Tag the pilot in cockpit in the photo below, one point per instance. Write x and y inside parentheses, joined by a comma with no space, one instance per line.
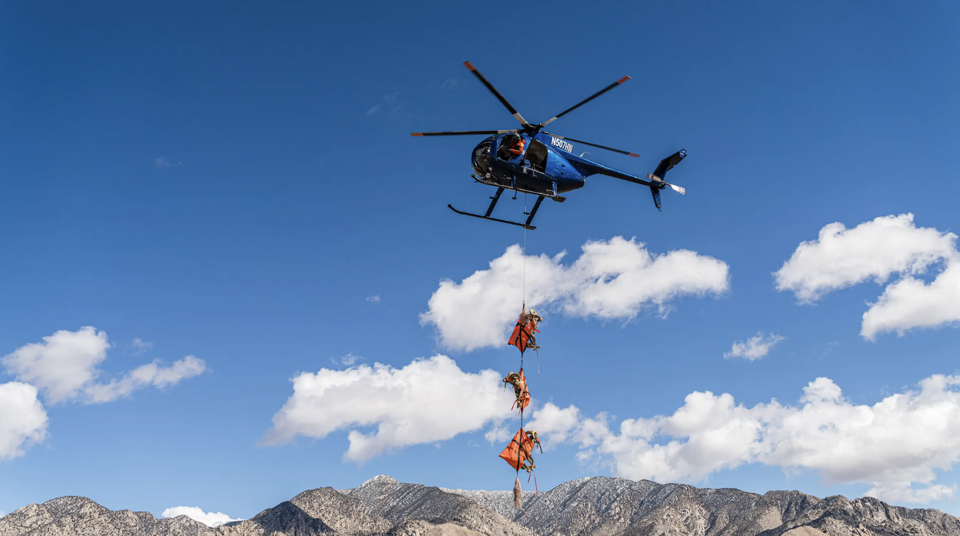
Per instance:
(512,147)
(517,148)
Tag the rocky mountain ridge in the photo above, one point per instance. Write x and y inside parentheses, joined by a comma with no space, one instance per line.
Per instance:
(595,506)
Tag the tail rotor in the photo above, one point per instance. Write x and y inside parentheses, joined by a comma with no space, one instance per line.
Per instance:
(657,176)
(679,189)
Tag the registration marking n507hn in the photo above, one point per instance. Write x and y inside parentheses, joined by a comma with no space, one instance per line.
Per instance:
(563,145)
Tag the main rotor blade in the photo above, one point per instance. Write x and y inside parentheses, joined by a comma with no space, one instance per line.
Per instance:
(461,132)
(586,100)
(635,155)
(496,93)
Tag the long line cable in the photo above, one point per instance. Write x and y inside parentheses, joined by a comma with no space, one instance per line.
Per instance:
(524,258)
(524,298)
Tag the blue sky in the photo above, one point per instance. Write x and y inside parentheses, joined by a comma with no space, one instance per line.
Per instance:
(233,181)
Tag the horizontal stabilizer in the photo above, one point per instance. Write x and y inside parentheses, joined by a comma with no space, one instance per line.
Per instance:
(669,162)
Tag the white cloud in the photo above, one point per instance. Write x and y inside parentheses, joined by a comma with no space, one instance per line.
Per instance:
(427,401)
(902,492)
(144,376)
(163,162)
(374,299)
(64,367)
(893,445)
(62,364)
(615,279)
(910,303)
(210,519)
(139,346)
(499,433)
(451,83)
(875,250)
(348,360)
(754,348)
(390,102)
(23,421)
(556,423)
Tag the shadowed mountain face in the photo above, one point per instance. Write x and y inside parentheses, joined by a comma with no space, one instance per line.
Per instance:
(586,507)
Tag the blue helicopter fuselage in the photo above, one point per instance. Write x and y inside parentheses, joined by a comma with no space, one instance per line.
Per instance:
(547,165)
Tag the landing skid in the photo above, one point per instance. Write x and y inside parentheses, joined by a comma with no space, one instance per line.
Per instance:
(493,203)
(530,227)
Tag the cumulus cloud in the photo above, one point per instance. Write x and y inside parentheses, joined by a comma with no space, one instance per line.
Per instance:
(754,348)
(613,279)
(911,303)
(902,492)
(499,433)
(428,400)
(895,445)
(64,366)
(876,250)
(560,425)
(373,299)
(23,421)
(210,519)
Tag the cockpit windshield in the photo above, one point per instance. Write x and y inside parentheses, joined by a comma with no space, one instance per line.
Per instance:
(481,154)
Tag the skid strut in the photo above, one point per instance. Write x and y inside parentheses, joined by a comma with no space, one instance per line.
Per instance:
(536,206)
(496,197)
(493,203)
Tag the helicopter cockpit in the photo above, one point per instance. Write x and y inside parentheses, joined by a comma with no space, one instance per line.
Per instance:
(534,155)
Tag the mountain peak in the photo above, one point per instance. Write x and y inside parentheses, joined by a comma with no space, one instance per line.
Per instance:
(380,479)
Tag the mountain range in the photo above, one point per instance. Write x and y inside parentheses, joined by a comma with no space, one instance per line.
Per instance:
(595,506)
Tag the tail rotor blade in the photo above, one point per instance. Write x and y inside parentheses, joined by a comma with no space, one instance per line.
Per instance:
(679,189)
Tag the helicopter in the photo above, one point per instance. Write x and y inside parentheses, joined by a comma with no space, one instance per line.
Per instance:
(533,161)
